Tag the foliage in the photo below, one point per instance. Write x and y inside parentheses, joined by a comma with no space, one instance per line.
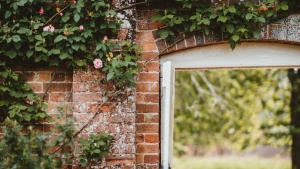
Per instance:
(96,147)
(235,21)
(64,33)
(246,107)
(23,148)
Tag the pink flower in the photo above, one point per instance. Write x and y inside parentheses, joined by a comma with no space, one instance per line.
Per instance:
(41,11)
(105,38)
(49,28)
(98,63)
(74,2)
(81,27)
(61,14)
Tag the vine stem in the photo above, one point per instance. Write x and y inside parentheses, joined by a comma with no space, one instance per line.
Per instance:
(86,124)
(58,13)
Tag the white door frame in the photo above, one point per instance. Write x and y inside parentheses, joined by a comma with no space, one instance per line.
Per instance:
(245,56)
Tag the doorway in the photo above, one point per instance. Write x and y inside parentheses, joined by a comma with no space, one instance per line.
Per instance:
(247,55)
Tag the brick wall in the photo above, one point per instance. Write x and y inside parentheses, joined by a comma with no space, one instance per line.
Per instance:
(133,119)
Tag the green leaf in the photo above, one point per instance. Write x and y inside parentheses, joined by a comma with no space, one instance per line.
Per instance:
(7,14)
(76,17)
(256,34)
(27,117)
(261,19)
(110,75)
(231,9)
(230,28)
(38,37)
(55,51)
(284,7)
(59,38)
(206,21)
(63,56)
(16,38)
(249,16)
(235,38)
(222,19)
(11,54)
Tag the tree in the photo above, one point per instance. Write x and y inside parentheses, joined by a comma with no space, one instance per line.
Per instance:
(294,77)
(244,106)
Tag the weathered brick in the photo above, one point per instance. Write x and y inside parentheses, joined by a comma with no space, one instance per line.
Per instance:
(148,77)
(44,76)
(153,159)
(151,98)
(147,128)
(147,87)
(87,97)
(151,118)
(60,97)
(152,138)
(58,87)
(139,138)
(148,46)
(145,36)
(147,108)
(58,76)
(147,148)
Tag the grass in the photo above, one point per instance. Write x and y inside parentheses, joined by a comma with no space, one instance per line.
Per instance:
(231,162)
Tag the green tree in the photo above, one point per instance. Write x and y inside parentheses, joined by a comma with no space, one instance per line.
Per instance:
(245,107)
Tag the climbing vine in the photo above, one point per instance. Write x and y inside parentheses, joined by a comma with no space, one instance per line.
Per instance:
(64,33)
(235,22)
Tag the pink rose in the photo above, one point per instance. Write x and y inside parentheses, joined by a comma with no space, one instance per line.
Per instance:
(105,38)
(41,11)
(81,27)
(98,63)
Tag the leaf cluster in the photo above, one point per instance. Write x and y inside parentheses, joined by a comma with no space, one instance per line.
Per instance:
(235,22)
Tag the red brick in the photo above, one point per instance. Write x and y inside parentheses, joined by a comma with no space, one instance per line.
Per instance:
(59,97)
(148,46)
(148,77)
(128,167)
(30,76)
(139,118)
(147,128)
(151,98)
(147,108)
(145,36)
(147,87)
(152,159)
(37,87)
(58,87)
(147,148)
(139,158)
(151,118)
(79,87)
(87,97)
(146,56)
(44,76)
(139,138)
(58,76)
(152,138)
(149,66)
(124,159)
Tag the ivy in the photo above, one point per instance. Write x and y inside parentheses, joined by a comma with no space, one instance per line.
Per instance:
(235,22)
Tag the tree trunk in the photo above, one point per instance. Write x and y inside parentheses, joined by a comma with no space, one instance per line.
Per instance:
(294,77)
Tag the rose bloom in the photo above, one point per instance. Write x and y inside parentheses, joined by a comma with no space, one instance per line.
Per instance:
(105,38)
(98,63)
(81,27)
(41,11)
(49,28)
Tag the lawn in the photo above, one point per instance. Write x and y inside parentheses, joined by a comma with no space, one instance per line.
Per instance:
(231,162)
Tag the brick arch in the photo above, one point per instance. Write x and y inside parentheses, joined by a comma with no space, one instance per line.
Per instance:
(286,30)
